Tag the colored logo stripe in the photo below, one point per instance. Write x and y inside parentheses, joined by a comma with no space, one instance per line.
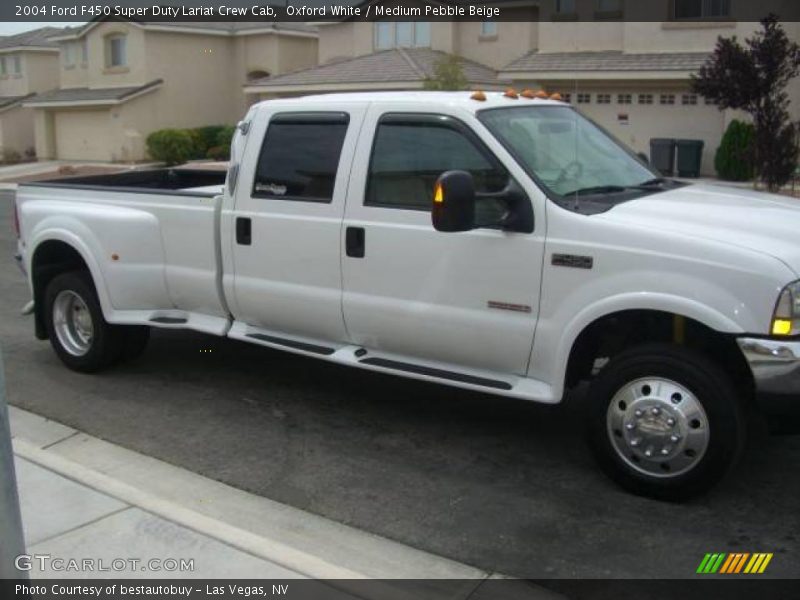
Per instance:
(734,562)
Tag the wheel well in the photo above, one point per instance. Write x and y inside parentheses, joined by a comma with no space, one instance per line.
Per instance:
(50,259)
(609,335)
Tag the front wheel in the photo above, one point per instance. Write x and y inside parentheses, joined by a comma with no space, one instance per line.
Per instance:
(666,422)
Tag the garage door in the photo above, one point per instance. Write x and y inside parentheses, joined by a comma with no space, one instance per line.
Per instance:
(82,135)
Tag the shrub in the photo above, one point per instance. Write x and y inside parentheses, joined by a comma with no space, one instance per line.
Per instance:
(11,157)
(225,135)
(219,153)
(171,146)
(199,144)
(735,160)
(209,134)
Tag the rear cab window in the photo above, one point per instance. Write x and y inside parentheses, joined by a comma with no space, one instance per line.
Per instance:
(299,157)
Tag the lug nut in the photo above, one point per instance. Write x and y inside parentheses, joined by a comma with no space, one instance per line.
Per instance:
(671,422)
(674,438)
(636,441)
(655,411)
(665,450)
(630,426)
(648,452)
(639,412)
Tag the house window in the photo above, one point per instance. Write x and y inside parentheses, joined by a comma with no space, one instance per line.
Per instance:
(384,35)
(710,102)
(567,97)
(625,99)
(667,99)
(488,28)
(645,98)
(17,62)
(584,98)
(116,51)
(84,51)
(402,35)
(604,98)
(697,9)
(689,99)
(405,34)
(3,67)
(565,7)
(300,157)
(69,54)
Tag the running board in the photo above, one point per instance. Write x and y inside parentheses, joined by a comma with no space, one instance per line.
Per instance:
(169,320)
(296,345)
(438,373)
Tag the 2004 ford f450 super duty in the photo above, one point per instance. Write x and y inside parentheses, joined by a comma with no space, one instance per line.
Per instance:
(489,241)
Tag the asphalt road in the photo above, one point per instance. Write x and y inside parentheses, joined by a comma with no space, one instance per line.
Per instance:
(500,484)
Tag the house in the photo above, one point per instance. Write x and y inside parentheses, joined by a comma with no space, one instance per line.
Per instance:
(632,77)
(120,80)
(28,64)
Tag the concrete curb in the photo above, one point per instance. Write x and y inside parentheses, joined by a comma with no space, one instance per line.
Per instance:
(246,541)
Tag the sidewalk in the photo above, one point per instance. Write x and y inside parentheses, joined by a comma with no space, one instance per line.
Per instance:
(84,498)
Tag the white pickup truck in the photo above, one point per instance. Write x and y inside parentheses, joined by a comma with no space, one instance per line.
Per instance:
(487,241)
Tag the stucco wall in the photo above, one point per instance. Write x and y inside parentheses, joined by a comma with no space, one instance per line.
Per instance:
(134,73)
(513,39)
(16,130)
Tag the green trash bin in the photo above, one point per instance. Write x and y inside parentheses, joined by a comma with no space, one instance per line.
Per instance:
(690,157)
(662,155)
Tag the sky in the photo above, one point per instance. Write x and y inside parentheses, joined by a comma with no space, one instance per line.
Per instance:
(7,28)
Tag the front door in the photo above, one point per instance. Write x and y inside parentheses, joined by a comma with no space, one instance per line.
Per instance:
(463,299)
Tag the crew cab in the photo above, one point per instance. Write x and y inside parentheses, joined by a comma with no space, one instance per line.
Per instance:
(493,242)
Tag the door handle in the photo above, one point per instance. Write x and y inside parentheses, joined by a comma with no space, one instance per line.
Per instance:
(244,231)
(354,242)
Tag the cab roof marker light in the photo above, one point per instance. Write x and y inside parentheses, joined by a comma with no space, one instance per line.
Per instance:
(558,97)
(529,94)
(511,93)
(479,96)
(541,94)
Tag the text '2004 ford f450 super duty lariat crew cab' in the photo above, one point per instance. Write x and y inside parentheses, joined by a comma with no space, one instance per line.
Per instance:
(491,242)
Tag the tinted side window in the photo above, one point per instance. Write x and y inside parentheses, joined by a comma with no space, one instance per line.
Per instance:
(408,157)
(300,157)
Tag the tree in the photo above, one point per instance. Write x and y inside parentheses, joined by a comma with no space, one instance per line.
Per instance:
(447,75)
(734,158)
(753,78)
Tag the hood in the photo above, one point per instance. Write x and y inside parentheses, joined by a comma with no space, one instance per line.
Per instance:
(765,223)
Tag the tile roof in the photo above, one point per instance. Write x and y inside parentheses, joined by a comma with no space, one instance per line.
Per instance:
(36,38)
(232,28)
(608,61)
(90,94)
(8,101)
(397,65)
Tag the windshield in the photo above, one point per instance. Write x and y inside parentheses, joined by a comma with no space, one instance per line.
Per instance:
(564,151)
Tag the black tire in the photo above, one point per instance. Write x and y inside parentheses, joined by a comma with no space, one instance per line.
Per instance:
(107,341)
(708,385)
(136,338)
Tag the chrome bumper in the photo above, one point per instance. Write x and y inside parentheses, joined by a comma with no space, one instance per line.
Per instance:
(775,365)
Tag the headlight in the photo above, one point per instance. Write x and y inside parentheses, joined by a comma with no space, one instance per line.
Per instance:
(786,320)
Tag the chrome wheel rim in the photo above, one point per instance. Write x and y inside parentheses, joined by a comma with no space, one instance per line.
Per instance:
(72,322)
(658,427)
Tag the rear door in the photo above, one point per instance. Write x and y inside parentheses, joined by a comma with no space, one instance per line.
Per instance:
(287,220)
(467,299)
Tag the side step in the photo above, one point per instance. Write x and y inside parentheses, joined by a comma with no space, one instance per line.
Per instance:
(304,346)
(169,320)
(440,373)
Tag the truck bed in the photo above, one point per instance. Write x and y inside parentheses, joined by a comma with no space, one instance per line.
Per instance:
(171,181)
